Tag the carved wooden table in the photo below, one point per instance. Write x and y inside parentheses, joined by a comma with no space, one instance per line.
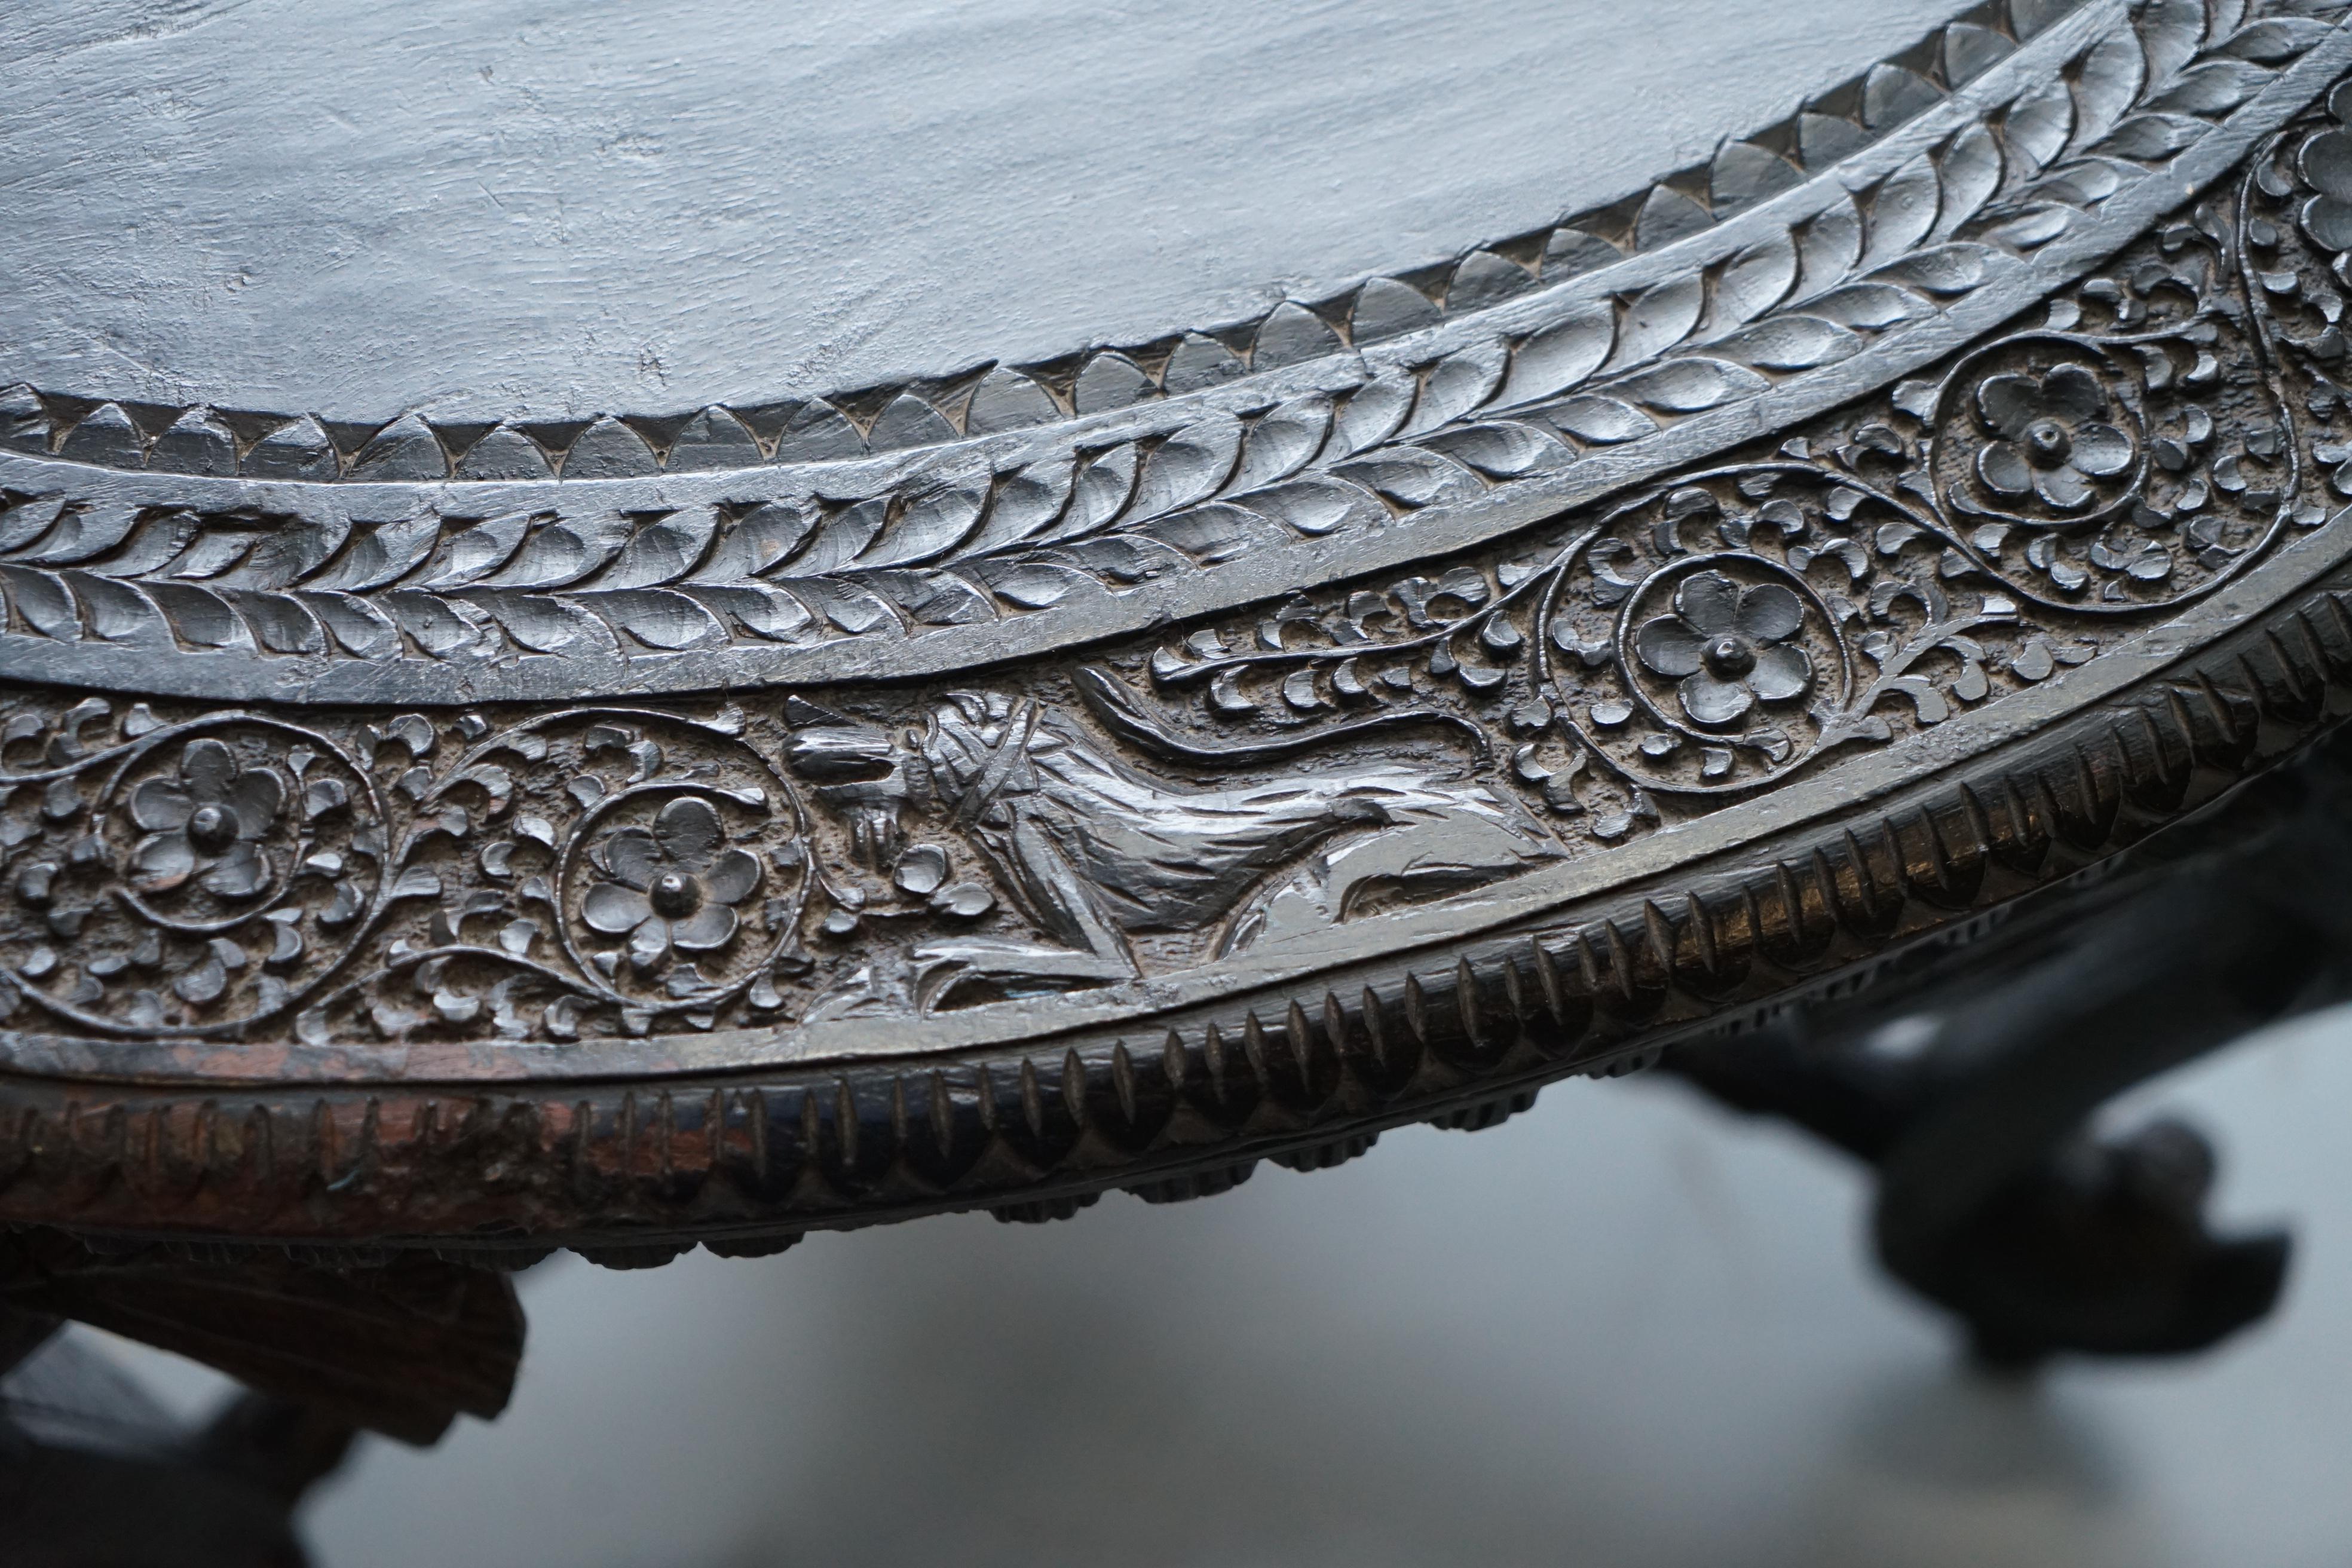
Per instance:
(1875,561)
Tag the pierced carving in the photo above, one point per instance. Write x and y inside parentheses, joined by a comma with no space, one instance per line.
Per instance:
(594,870)
(199,875)
(1972,532)
(212,875)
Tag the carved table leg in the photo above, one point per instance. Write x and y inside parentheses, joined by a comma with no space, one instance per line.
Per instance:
(22,1333)
(401,1347)
(92,1471)
(282,1446)
(1996,1199)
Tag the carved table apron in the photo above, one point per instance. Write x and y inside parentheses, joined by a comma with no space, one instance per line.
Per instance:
(1112,771)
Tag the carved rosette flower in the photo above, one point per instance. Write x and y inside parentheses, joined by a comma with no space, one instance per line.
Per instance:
(1729,648)
(676,886)
(2054,441)
(205,825)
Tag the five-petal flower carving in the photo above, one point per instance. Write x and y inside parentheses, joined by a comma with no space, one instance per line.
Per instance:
(205,824)
(1729,647)
(2054,441)
(674,887)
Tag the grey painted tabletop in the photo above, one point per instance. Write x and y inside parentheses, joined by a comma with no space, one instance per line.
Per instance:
(527,208)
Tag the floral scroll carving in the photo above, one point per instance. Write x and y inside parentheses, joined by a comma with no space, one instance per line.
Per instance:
(234,857)
(1972,532)
(198,878)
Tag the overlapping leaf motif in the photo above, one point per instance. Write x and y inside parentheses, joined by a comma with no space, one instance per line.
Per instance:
(1494,385)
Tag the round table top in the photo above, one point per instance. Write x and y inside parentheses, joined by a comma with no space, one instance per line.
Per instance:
(642,626)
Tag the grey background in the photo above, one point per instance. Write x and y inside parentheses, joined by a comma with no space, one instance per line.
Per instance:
(487,209)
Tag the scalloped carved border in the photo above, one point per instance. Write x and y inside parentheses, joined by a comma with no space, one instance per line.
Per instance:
(1008,545)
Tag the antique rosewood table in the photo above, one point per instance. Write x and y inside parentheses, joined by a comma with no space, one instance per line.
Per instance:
(1851,617)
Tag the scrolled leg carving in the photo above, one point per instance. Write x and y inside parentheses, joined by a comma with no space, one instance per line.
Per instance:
(1996,1200)
(401,1345)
